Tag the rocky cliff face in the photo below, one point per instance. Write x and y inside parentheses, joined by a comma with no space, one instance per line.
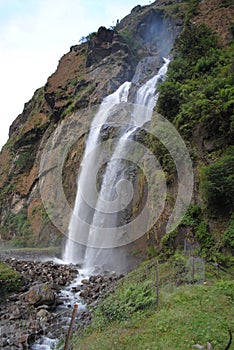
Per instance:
(84,76)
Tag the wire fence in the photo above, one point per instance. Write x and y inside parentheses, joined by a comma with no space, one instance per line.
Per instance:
(45,333)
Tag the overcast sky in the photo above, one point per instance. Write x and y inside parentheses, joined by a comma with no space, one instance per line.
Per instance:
(34,34)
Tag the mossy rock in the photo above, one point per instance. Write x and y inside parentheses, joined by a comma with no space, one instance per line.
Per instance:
(10,280)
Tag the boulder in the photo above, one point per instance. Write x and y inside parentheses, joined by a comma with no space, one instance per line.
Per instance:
(40,294)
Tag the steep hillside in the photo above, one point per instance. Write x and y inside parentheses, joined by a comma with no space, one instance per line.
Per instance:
(197,98)
(182,315)
(85,75)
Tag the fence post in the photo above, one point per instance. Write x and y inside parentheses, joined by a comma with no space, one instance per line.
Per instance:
(193,270)
(74,312)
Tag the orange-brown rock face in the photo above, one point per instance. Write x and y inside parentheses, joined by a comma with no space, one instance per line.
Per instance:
(84,76)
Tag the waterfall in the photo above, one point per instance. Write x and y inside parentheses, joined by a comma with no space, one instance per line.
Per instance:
(112,197)
(80,209)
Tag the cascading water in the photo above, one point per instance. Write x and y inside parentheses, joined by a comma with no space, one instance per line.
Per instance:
(80,209)
(97,251)
(146,97)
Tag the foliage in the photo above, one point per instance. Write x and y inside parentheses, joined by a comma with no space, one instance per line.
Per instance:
(195,42)
(217,184)
(10,280)
(198,226)
(168,242)
(226,288)
(193,216)
(132,43)
(161,152)
(24,162)
(40,210)
(205,238)
(6,190)
(88,38)
(228,237)
(187,315)
(192,9)
(199,90)
(198,98)
(18,227)
(130,300)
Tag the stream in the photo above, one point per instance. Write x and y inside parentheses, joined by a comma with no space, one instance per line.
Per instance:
(69,297)
(25,324)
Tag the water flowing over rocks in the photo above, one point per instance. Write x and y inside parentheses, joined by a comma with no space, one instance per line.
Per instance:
(43,306)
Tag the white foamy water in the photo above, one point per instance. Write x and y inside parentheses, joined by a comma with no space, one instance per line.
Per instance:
(146,97)
(90,155)
(105,204)
(45,343)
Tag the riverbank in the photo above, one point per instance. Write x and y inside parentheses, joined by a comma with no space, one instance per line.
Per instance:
(30,253)
(43,305)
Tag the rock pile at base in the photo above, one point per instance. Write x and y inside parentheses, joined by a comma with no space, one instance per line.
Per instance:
(38,308)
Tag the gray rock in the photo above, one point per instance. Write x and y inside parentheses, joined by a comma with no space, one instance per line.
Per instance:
(40,294)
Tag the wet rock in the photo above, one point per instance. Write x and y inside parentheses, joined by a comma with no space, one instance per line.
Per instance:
(97,286)
(43,314)
(40,294)
(85,281)
(84,294)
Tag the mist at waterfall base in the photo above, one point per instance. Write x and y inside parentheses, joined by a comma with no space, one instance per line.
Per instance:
(96,237)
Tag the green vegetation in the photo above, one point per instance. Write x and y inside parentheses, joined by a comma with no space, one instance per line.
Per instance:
(228,237)
(132,43)
(187,313)
(80,99)
(198,98)
(195,228)
(6,190)
(10,279)
(24,162)
(217,184)
(199,90)
(40,210)
(161,152)
(88,38)
(18,227)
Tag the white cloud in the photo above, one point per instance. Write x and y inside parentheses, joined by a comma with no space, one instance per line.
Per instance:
(33,38)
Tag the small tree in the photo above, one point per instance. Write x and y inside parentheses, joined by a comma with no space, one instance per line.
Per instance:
(217,185)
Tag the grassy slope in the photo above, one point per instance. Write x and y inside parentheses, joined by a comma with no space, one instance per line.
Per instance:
(187,314)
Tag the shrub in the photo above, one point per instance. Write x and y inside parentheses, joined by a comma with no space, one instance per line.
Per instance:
(18,227)
(205,238)
(217,185)
(130,299)
(193,216)
(10,279)
(228,237)
(195,42)
(198,92)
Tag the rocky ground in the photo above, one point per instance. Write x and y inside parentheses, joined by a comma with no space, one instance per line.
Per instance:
(43,306)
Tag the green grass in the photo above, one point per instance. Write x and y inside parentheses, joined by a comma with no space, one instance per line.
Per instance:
(10,280)
(187,314)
